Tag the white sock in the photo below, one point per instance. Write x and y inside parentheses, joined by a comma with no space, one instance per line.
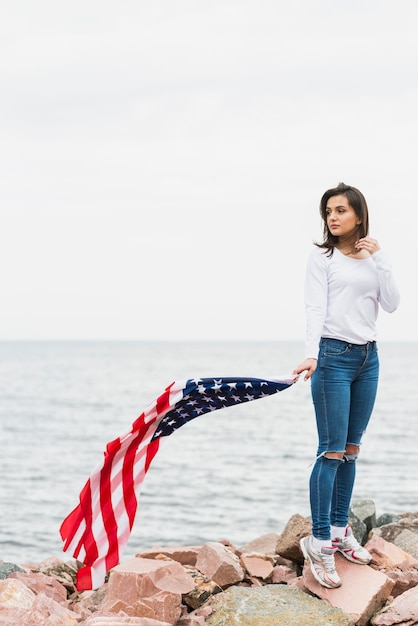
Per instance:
(338,532)
(318,544)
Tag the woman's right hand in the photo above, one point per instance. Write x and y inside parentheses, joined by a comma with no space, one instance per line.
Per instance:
(308,366)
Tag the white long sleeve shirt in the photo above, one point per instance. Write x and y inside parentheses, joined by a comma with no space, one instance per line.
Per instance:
(342,297)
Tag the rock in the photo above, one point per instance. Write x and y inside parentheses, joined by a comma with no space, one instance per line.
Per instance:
(8,568)
(283,574)
(272,605)
(46,611)
(220,564)
(147,588)
(365,511)
(400,566)
(387,555)
(197,618)
(186,555)
(87,602)
(19,605)
(403,610)
(288,543)
(64,572)
(358,527)
(403,533)
(40,583)
(204,588)
(387,518)
(14,593)
(122,620)
(258,565)
(363,591)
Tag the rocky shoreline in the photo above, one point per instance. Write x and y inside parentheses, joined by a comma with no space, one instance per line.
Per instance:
(261,584)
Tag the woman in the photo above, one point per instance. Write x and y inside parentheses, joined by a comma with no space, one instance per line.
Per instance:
(347,277)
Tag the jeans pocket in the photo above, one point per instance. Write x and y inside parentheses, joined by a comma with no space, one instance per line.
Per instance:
(334,348)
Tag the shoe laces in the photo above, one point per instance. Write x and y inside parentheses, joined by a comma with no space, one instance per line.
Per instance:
(327,558)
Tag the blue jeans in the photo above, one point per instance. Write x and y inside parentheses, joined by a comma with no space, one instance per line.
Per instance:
(343,387)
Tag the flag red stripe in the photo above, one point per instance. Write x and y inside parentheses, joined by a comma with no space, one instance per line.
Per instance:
(89,541)
(129,496)
(108,515)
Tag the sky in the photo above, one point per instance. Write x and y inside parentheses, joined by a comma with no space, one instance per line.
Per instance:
(162,161)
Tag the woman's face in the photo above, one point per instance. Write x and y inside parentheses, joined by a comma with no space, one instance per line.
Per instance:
(342,220)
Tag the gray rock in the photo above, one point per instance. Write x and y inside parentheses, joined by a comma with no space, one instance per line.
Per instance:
(272,605)
(8,568)
(358,527)
(387,518)
(365,510)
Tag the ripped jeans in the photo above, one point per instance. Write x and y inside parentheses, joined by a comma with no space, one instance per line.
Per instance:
(343,388)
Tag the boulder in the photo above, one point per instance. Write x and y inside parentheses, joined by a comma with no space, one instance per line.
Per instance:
(147,588)
(363,591)
(398,565)
(121,620)
(258,565)
(283,574)
(41,583)
(204,588)
(220,564)
(403,533)
(387,555)
(8,568)
(272,605)
(288,543)
(365,511)
(387,518)
(14,593)
(186,555)
(403,610)
(20,605)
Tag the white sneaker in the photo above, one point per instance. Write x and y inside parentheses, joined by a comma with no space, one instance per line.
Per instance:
(322,563)
(351,549)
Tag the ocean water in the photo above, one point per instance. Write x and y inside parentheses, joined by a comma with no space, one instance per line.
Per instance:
(234,474)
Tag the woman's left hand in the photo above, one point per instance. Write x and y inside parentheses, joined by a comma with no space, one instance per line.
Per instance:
(367,243)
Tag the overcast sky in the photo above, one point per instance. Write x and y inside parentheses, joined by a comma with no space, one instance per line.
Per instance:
(162,161)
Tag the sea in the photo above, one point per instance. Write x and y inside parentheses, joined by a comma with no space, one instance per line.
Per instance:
(234,474)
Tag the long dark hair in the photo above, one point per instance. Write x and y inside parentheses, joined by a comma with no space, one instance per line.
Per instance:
(356,200)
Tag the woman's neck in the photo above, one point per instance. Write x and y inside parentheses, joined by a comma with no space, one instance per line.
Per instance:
(346,245)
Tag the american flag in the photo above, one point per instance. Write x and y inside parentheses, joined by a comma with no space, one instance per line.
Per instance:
(98,529)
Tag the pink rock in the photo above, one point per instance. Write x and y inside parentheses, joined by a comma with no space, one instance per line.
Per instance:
(39,582)
(121,620)
(14,593)
(87,602)
(148,588)
(403,610)
(402,580)
(19,603)
(387,555)
(283,574)
(363,591)
(257,565)
(186,555)
(45,611)
(197,618)
(220,564)
(13,616)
